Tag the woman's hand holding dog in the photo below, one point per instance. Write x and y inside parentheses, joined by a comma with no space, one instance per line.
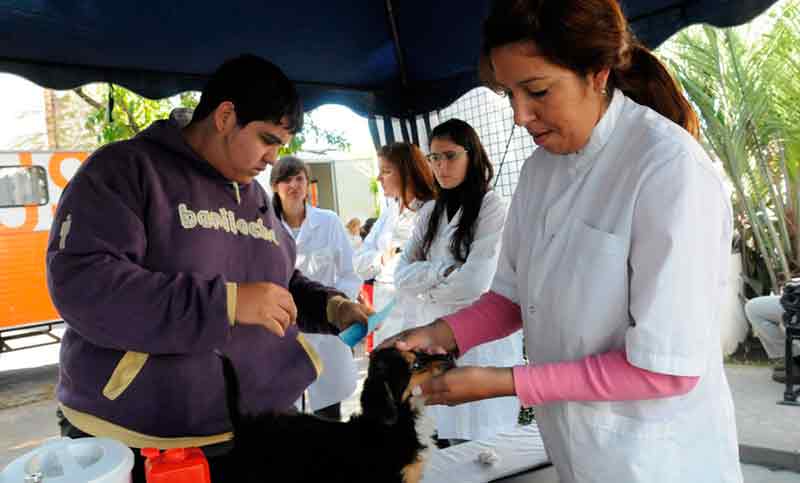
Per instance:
(434,338)
(458,385)
(467,384)
(266,304)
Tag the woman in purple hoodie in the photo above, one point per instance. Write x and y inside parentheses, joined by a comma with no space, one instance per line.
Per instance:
(151,263)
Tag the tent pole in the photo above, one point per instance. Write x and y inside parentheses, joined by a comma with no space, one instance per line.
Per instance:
(396,37)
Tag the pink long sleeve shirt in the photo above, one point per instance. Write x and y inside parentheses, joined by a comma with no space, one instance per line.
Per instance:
(599,377)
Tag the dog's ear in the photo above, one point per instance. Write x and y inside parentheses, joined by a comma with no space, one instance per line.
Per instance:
(391,404)
(377,399)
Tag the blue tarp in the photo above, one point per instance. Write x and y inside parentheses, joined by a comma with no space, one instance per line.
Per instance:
(338,51)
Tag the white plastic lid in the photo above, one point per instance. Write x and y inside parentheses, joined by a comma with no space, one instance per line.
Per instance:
(65,460)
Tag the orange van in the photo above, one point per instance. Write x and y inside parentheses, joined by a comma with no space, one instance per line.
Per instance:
(30,186)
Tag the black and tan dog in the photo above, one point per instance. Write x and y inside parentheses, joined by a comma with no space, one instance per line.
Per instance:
(385,443)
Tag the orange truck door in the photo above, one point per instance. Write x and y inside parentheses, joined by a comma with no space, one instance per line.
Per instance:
(30,186)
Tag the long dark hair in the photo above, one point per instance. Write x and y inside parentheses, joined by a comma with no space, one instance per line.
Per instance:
(285,168)
(471,191)
(415,174)
(586,36)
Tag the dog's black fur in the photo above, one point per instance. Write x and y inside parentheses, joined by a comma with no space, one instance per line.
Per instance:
(379,445)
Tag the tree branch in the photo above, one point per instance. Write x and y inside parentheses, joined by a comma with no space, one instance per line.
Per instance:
(131,121)
(87,98)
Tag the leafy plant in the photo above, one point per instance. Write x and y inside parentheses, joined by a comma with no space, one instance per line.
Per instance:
(744,90)
(313,133)
(376,196)
(131,113)
(120,114)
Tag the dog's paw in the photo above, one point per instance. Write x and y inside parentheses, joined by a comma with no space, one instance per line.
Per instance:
(488,457)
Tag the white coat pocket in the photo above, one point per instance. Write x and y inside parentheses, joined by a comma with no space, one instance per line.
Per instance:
(607,447)
(590,291)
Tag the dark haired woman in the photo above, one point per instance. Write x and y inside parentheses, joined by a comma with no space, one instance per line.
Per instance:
(407,183)
(324,254)
(613,259)
(450,261)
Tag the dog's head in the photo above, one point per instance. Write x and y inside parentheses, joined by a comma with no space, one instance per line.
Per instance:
(392,375)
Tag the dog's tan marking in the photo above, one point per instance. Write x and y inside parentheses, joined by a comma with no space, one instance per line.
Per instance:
(436,368)
(413,473)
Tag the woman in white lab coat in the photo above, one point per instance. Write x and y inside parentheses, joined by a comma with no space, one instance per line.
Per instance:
(450,261)
(324,254)
(613,260)
(407,182)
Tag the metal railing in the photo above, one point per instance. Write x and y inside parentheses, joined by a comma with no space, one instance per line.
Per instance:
(790,301)
(21,333)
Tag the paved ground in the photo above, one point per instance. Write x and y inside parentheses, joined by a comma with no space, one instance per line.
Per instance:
(752,474)
(760,421)
(27,413)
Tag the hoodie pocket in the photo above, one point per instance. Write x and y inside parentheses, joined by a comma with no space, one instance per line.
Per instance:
(124,373)
(312,354)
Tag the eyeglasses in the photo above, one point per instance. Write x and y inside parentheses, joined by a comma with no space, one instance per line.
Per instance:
(446,155)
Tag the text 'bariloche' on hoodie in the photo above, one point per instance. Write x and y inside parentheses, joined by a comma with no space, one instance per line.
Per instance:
(147,245)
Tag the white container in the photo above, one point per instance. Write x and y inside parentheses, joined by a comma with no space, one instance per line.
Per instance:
(66,460)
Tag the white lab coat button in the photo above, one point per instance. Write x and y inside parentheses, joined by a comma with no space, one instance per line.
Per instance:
(531,309)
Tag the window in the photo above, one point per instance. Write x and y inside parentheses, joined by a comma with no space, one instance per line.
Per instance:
(23,186)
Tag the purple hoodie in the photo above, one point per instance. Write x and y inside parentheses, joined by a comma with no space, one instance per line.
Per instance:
(145,238)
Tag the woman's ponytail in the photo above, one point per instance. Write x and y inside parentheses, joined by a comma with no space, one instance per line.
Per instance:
(644,78)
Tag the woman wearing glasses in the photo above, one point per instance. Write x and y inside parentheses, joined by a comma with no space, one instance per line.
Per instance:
(450,262)
(407,183)
(614,256)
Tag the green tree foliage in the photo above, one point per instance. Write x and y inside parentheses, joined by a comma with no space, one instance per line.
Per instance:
(743,84)
(312,134)
(374,189)
(131,113)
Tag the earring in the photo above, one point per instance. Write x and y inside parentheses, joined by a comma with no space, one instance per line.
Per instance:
(604,91)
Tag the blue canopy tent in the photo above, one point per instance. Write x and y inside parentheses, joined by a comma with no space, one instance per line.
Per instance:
(397,59)
(387,57)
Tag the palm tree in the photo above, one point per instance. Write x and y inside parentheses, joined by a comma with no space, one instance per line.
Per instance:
(743,89)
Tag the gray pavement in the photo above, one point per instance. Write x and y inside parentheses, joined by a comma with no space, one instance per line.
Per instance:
(761,422)
(26,386)
(27,415)
(751,473)
(769,433)
(23,428)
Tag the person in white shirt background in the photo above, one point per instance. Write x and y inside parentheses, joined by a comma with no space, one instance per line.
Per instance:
(450,261)
(765,315)
(324,254)
(407,182)
(613,260)
(354,233)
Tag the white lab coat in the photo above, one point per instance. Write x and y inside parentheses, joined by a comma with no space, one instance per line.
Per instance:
(423,279)
(625,245)
(324,254)
(355,240)
(367,258)
(389,234)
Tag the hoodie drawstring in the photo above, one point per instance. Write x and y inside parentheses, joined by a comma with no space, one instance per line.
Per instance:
(236,190)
